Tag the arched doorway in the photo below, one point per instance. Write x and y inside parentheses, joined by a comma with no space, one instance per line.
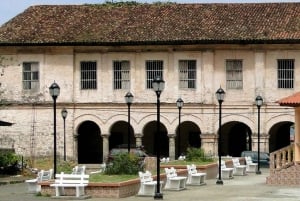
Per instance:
(279,135)
(189,137)
(119,135)
(149,139)
(236,137)
(89,143)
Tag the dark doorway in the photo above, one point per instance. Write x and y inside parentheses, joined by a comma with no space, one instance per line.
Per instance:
(236,137)
(280,135)
(89,143)
(119,135)
(149,139)
(189,137)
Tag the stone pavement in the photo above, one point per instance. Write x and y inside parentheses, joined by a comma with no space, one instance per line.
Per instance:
(242,188)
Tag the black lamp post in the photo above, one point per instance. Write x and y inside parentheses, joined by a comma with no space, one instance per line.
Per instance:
(128,100)
(220,97)
(54,91)
(259,102)
(179,104)
(64,114)
(158,86)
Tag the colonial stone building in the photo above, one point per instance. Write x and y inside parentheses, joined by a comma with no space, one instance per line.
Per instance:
(98,53)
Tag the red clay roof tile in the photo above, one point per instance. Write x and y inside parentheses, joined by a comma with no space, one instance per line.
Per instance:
(293,100)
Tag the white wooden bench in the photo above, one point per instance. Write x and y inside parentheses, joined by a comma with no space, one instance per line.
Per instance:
(148,186)
(226,172)
(251,167)
(77,181)
(195,177)
(238,169)
(33,184)
(174,182)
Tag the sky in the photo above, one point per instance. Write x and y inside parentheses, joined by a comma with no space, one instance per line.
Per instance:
(11,8)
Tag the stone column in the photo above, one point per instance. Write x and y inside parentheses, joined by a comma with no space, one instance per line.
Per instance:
(105,146)
(171,146)
(138,140)
(209,142)
(297,135)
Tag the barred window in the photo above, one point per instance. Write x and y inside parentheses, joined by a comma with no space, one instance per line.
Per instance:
(234,74)
(187,74)
(154,68)
(31,76)
(121,79)
(285,73)
(88,72)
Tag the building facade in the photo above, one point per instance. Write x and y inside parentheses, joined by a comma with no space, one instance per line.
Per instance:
(95,70)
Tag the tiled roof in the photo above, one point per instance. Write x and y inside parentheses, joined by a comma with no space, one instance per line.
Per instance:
(154,23)
(293,100)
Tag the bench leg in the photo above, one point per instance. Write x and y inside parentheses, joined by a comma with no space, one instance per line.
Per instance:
(79,191)
(59,191)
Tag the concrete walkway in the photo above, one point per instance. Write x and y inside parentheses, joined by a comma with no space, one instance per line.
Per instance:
(242,188)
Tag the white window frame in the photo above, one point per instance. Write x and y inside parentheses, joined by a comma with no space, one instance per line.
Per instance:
(285,73)
(121,74)
(31,76)
(154,68)
(187,74)
(234,74)
(88,75)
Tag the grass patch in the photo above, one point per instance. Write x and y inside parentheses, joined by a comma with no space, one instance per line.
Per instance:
(104,178)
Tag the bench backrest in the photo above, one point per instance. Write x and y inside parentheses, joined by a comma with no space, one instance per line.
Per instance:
(71,178)
(171,172)
(248,160)
(145,177)
(223,165)
(236,162)
(192,169)
(78,170)
(45,175)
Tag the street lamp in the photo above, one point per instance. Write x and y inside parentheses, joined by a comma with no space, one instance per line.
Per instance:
(259,101)
(220,97)
(128,100)
(179,104)
(64,114)
(158,85)
(54,92)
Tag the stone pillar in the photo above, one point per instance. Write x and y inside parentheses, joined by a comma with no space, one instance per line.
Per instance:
(209,142)
(138,140)
(259,66)
(297,135)
(105,146)
(172,146)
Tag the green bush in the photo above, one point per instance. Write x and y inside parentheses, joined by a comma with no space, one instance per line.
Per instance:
(9,163)
(125,163)
(197,154)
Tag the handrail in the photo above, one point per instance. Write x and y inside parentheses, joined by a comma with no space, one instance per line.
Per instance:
(282,158)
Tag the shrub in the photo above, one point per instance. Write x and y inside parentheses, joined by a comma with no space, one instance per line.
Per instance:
(197,154)
(125,163)
(9,163)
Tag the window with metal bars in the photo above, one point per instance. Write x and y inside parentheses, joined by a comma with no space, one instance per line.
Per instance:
(88,75)
(121,70)
(187,74)
(31,76)
(234,74)
(154,68)
(285,73)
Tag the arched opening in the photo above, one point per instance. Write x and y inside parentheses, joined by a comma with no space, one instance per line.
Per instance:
(149,139)
(236,137)
(279,135)
(89,143)
(119,135)
(189,137)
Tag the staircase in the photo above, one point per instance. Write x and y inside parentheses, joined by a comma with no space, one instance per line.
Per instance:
(283,169)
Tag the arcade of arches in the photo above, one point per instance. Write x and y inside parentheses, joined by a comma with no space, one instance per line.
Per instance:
(236,137)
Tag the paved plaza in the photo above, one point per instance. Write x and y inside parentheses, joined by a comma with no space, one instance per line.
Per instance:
(242,188)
